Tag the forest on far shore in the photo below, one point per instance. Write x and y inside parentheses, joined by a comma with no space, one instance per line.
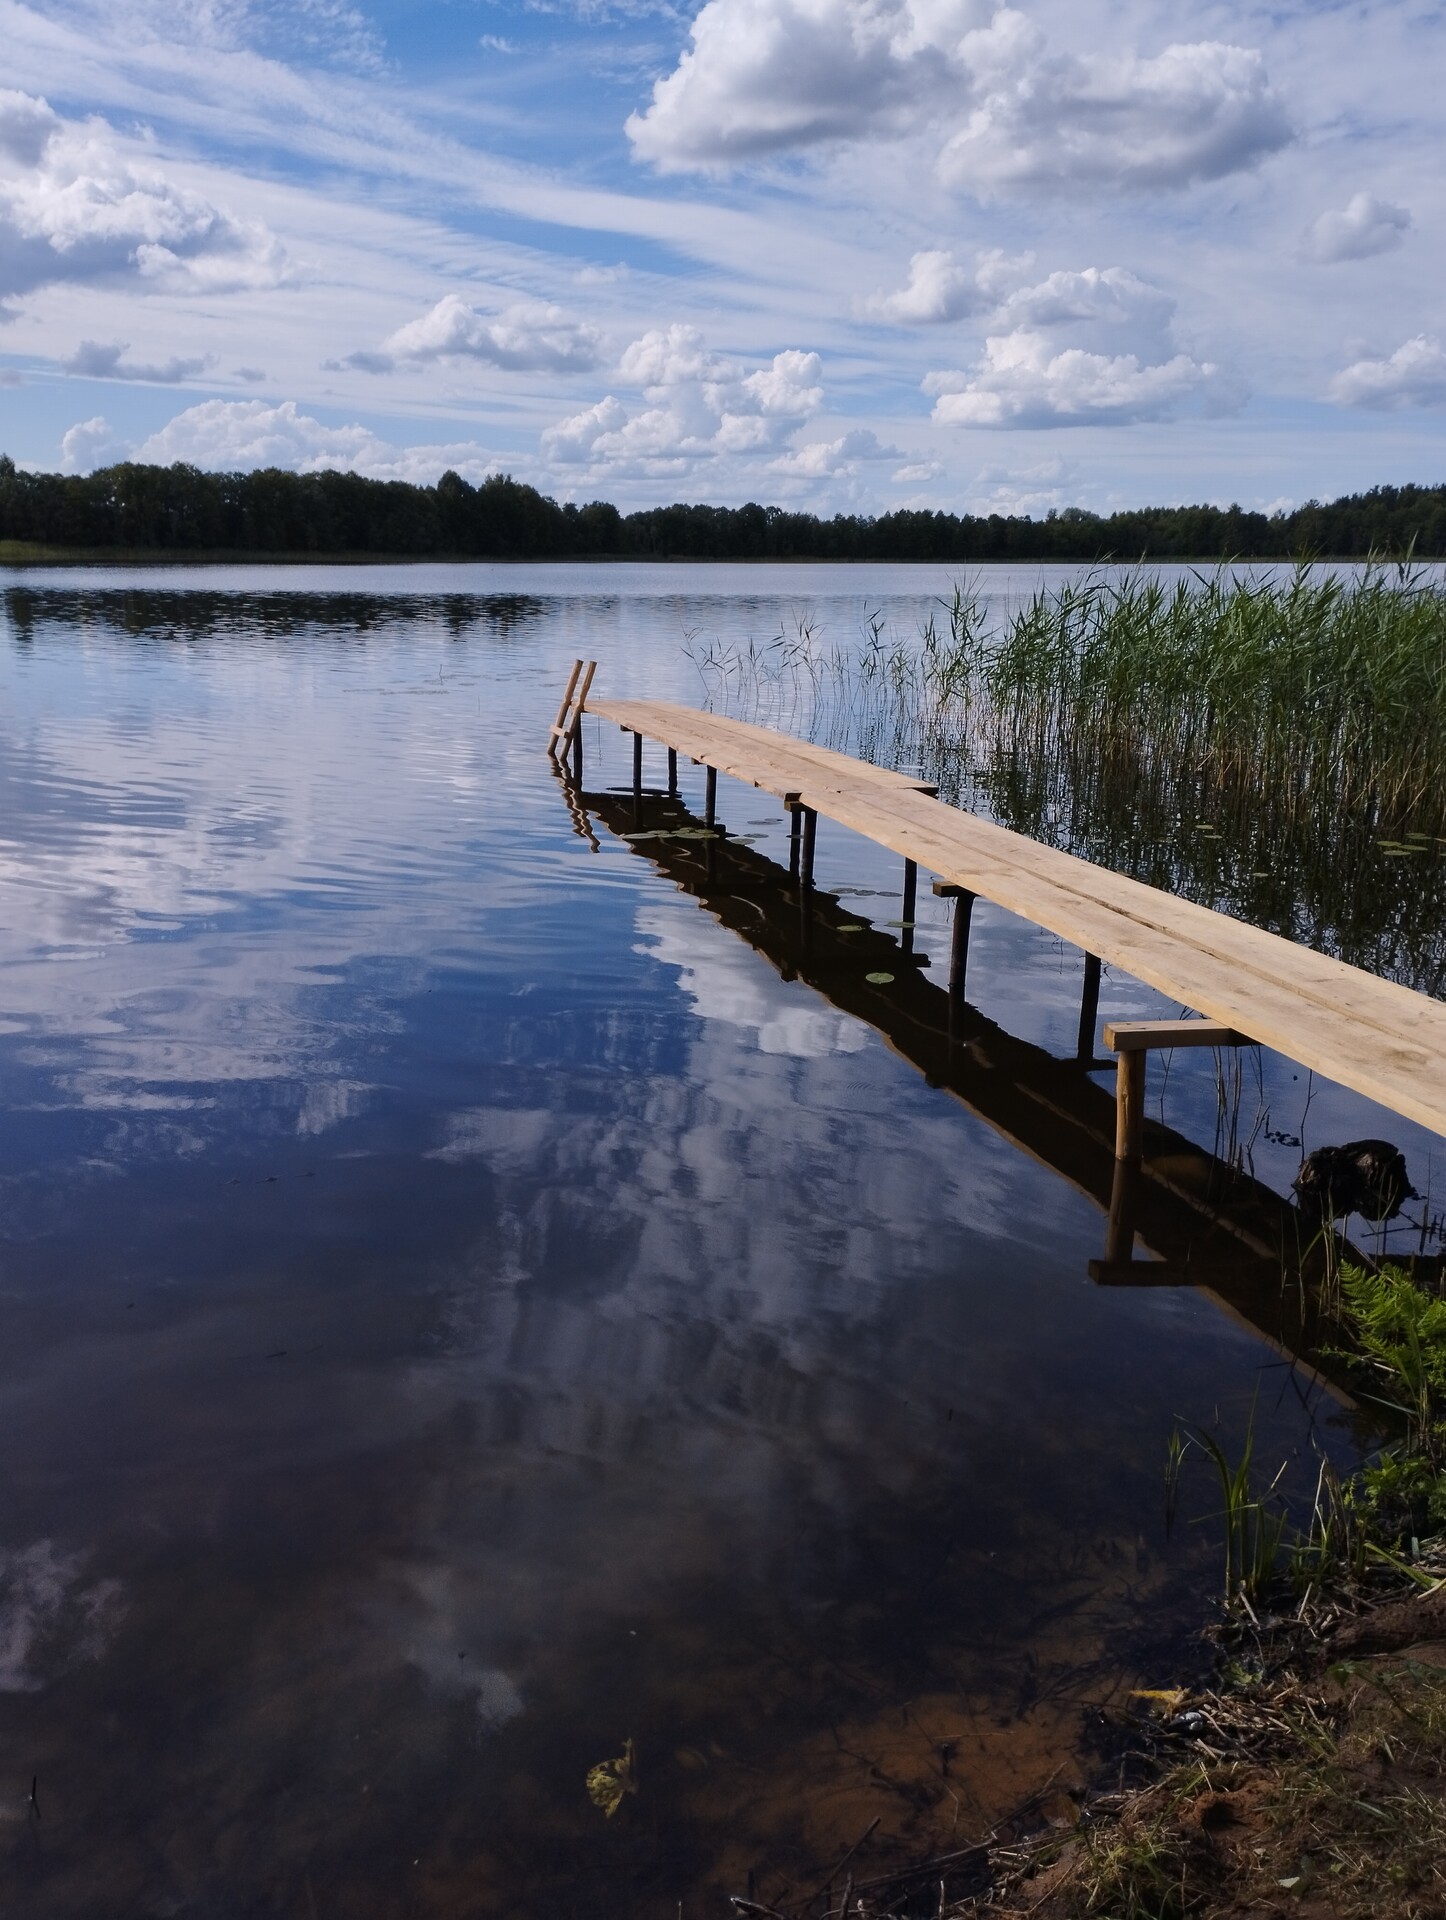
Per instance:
(182,509)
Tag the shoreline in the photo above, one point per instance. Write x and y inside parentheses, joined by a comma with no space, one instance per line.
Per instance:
(20,556)
(1306,1776)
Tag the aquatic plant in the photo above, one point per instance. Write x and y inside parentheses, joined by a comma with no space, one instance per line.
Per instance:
(1274,747)
(1256,1522)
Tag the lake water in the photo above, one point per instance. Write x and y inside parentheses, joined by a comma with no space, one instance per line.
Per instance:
(465,1308)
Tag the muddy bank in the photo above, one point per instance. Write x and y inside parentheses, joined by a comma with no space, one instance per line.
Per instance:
(1307,1780)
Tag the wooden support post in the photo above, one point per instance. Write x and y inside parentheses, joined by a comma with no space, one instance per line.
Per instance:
(911,894)
(1089,1009)
(959,947)
(672,772)
(1132,1041)
(577,753)
(810,834)
(637,766)
(710,797)
(1129,1106)
(1120,1221)
(1129,1136)
(795,828)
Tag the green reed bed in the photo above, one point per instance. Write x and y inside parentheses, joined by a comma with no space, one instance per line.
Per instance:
(1272,747)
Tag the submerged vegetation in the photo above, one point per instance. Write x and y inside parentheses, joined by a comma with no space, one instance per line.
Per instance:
(1274,747)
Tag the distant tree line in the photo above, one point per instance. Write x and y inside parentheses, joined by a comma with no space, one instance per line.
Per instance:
(183,509)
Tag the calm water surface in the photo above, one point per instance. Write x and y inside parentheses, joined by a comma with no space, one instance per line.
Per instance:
(464,1309)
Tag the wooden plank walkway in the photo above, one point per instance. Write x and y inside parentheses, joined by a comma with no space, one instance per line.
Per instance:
(1375,1037)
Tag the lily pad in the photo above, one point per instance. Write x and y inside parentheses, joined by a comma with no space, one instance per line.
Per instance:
(879,979)
(609,1780)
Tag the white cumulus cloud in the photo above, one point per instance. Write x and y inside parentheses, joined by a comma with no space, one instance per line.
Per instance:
(818,459)
(75,207)
(699,407)
(1086,347)
(1006,110)
(90,444)
(1413,376)
(938,288)
(1364,226)
(528,337)
(226,436)
(1045,120)
(764,76)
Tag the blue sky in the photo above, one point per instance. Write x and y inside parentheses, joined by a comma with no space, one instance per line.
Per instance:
(845,254)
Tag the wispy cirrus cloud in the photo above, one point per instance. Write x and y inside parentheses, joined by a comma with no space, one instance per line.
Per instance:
(96,360)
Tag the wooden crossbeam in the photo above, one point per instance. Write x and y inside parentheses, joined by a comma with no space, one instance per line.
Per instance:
(1147,1036)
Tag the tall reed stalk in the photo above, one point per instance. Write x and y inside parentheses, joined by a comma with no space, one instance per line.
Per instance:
(1272,747)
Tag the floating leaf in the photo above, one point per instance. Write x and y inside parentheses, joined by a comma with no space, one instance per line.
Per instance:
(609,1780)
(879,979)
(854,926)
(1171,1699)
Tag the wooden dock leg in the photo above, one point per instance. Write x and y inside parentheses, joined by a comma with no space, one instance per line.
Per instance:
(1129,1105)
(911,897)
(637,766)
(1120,1221)
(1089,1009)
(577,753)
(810,832)
(1129,1137)
(795,828)
(959,951)
(672,773)
(710,797)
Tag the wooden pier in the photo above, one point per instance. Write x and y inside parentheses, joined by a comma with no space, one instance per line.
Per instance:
(1377,1038)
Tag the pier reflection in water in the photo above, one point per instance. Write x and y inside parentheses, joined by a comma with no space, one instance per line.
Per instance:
(1209,1224)
(464,1308)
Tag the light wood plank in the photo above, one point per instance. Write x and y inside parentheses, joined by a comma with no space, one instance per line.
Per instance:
(1378,1038)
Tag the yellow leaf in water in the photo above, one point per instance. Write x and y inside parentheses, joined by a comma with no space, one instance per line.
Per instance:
(1170,1698)
(609,1780)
